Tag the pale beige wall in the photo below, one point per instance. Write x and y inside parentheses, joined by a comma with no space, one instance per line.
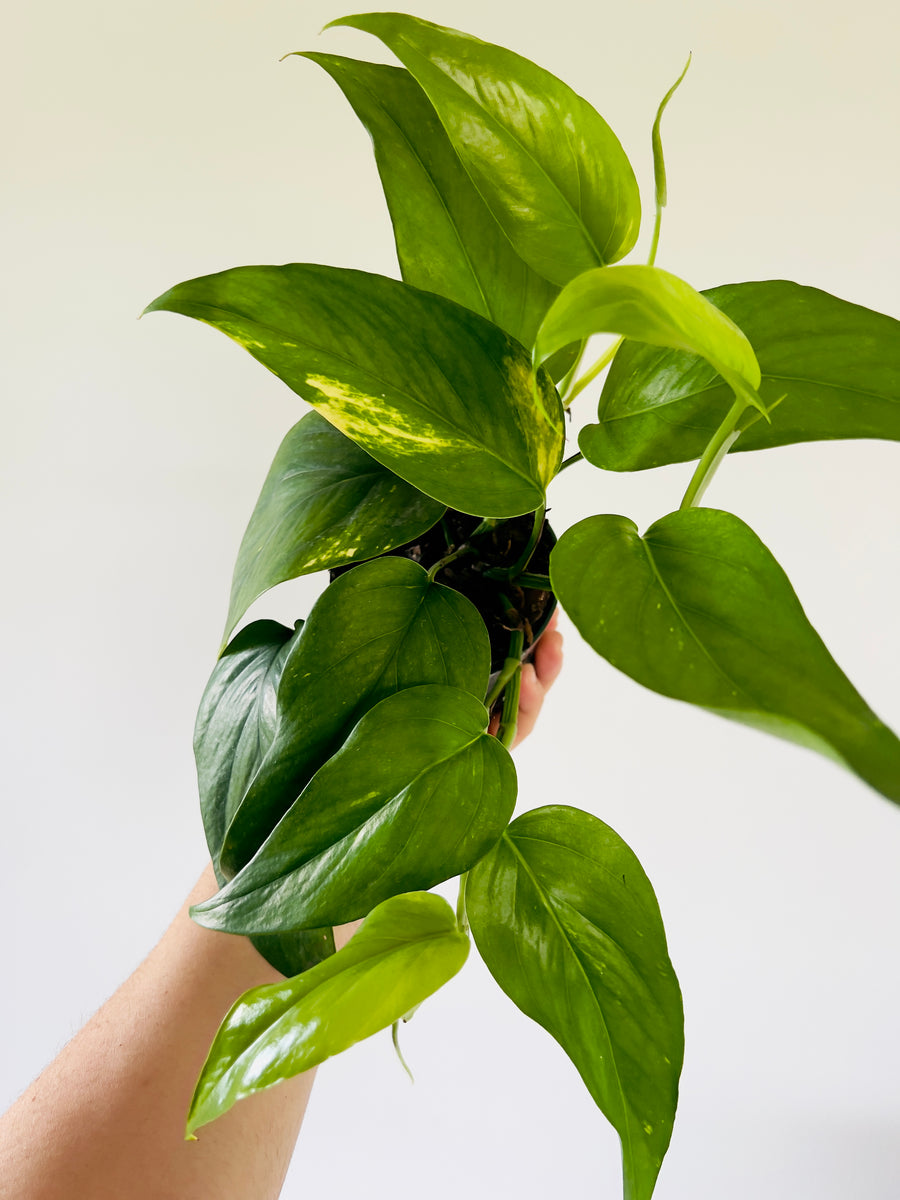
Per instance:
(147,143)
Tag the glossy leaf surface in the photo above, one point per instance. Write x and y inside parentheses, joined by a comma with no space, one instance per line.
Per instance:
(236,722)
(405,950)
(698,609)
(650,305)
(836,364)
(325,502)
(549,167)
(376,630)
(417,794)
(235,725)
(568,925)
(432,391)
(447,239)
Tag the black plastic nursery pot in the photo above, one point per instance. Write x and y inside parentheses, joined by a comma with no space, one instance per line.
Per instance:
(505,606)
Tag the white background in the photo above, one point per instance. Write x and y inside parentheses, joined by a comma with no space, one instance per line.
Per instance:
(147,143)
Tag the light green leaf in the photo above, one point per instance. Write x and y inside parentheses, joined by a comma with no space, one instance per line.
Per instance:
(447,240)
(325,502)
(653,306)
(835,364)
(432,391)
(376,630)
(549,167)
(698,609)
(405,950)
(568,925)
(417,794)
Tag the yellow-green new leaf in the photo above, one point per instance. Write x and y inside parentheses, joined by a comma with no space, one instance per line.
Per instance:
(549,167)
(406,949)
(698,609)
(649,305)
(432,391)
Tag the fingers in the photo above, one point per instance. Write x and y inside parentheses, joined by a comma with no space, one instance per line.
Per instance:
(537,679)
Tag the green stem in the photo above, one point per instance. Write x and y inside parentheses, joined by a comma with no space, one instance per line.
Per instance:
(600,365)
(570,462)
(535,581)
(466,547)
(395,1038)
(461,919)
(719,445)
(566,382)
(511,664)
(531,545)
(657,226)
(509,720)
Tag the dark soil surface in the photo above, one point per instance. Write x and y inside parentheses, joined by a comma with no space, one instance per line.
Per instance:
(503,605)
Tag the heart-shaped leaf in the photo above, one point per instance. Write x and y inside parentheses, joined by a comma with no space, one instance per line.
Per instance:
(376,630)
(417,794)
(653,306)
(568,925)
(834,367)
(432,391)
(236,722)
(698,609)
(235,726)
(325,502)
(447,240)
(549,167)
(405,950)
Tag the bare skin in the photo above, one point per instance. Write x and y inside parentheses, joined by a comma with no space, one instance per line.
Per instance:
(105,1120)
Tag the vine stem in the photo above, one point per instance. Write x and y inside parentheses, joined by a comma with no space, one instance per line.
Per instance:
(525,557)
(591,374)
(461,919)
(718,446)
(511,665)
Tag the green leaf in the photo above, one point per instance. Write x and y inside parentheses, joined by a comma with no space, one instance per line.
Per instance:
(698,609)
(417,794)
(447,240)
(405,950)
(376,630)
(653,306)
(235,725)
(549,167)
(836,364)
(236,722)
(325,502)
(432,391)
(567,923)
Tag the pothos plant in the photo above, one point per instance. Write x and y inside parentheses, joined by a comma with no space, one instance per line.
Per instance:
(346,765)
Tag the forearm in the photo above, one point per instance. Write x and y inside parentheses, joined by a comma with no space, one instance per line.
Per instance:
(106,1118)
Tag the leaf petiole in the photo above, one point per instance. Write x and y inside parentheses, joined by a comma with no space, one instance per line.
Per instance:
(718,446)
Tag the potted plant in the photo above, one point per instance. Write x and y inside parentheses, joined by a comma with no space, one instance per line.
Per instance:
(346,765)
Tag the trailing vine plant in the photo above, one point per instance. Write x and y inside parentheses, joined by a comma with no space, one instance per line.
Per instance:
(345,765)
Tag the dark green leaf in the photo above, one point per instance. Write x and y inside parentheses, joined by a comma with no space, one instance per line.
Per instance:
(653,306)
(236,722)
(235,725)
(324,502)
(432,391)
(417,794)
(837,365)
(447,240)
(406,949)
(550,169)
(699,610)
(377,629)
(568,925)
